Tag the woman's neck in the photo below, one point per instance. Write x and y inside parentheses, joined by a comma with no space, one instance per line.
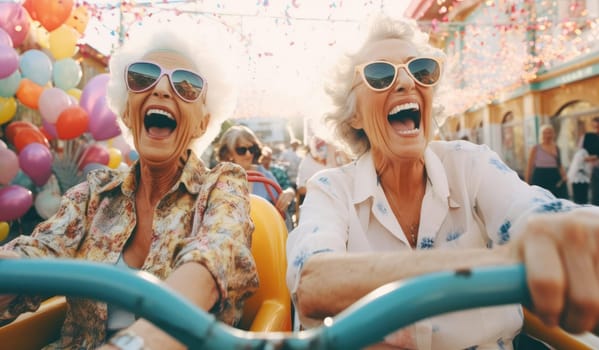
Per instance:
(404,178)
(155,182)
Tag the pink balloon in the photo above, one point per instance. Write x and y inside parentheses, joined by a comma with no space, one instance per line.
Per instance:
(93,90)
(9,163)
(36,161)
(5,38)
(52,102)
(102,121)
(9,61)
(15,201)
(95,153)
(14,20)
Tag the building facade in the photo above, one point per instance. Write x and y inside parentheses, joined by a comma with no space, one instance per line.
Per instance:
(518,64)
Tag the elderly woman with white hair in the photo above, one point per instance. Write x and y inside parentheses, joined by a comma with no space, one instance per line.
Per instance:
(409,205)
(168,214)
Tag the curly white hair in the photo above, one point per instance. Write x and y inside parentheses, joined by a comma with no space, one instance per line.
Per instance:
(339,86)
(204,42)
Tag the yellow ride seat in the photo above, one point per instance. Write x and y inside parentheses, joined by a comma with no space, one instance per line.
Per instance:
(268,310)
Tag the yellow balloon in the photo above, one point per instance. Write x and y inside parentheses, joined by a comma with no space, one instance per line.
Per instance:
(63,42)
(76,93)
(114,157)
(4,230)
(8,108)
(79,18)
(40,34)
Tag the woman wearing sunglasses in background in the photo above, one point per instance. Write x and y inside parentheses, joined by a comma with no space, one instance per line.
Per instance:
(168,215)
(409,205)
(240,145)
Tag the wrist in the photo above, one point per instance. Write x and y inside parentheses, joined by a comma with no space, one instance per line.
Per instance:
(127,340)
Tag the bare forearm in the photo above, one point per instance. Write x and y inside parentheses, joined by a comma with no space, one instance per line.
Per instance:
(194,282)
(330,283)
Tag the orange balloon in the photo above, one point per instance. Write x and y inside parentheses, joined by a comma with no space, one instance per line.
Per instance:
(29,93)
(14,127)
(71,123)
(78,19)
(52,13)
(27,136)
(28,5)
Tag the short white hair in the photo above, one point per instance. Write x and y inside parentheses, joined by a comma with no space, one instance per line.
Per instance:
(204,42)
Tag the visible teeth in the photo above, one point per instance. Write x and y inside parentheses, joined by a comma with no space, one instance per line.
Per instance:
(160,111)
(409,132)
(405,106)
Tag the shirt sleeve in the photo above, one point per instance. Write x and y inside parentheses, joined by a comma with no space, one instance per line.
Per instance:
(59,236)
(221,238)
(503,200)
(323,225)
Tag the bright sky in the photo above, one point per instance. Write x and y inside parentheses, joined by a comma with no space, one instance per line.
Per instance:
(289,43)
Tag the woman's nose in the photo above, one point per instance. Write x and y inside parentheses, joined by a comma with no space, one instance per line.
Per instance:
(162,88)
(404,81)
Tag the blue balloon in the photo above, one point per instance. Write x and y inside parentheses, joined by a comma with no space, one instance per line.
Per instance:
(36,66)
(133,155)
(10,84)
(66,73)
(23,180)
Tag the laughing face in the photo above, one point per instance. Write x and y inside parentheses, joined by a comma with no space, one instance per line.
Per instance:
(396,120)
(163,125)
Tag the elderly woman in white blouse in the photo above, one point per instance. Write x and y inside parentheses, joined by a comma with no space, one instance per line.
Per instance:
(409,205)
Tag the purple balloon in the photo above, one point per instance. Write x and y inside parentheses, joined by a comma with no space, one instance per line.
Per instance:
(14,20)
(50,128)
(9,61)
(93,90)
(15,201)
(36,161)
(102,121)
(5,38)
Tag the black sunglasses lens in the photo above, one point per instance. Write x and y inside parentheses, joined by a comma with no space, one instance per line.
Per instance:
(379,75)
(188,84)
(425,70)
(142,75)
(243,150)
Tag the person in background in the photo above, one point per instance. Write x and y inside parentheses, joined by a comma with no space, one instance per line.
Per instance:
(241,146)
(168,214)
(291,160)
(282,179)
(593,159)
(579,171)
(409,205)
(545,168)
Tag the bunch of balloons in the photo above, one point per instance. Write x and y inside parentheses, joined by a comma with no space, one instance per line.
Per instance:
(74,130)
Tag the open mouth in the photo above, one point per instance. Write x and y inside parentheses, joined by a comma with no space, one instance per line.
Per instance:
(159,123)
(405,118)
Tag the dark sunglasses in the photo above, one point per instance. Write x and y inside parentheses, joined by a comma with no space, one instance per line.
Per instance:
(254,149)
(141,76)
(381,75)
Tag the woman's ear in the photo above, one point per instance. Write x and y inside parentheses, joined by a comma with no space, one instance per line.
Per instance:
(201,126)
(126,118)
(356,122)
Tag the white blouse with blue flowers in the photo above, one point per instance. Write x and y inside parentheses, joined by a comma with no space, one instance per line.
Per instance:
(472,199)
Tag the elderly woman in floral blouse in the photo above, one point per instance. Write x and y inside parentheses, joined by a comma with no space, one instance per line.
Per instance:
(168,215)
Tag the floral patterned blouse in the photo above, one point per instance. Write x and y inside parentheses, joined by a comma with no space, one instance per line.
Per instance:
(204,218)
(472,199)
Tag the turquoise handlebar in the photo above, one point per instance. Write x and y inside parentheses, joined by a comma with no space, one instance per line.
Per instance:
(366,322)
